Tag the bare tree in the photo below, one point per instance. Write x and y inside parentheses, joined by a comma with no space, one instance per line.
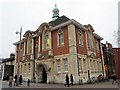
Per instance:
(117,37)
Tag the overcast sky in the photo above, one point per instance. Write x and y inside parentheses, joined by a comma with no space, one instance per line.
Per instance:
(101,14)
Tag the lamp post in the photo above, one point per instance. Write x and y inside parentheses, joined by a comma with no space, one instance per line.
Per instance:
(19,52)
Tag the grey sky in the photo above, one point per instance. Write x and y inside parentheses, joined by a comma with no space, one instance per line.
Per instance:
(101,14)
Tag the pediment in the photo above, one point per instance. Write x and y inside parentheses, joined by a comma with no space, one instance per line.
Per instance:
(92,55)
(43,26)
(27,33)
(90,28)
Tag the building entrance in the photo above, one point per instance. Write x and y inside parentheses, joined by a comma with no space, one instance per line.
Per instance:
(41,73)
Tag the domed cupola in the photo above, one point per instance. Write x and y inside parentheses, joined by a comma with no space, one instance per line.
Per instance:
(55,13)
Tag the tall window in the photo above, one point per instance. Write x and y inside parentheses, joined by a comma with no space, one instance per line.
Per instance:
(97,46)
(65,65)
(98,66)
(80,65)
(24,70)
(30,46)
(60,38)
(46,40)
(90,40)
(84,64)
(29,67)
(91,65)
(58,66)
(80,38)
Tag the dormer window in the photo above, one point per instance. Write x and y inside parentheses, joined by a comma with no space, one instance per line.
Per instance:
(60,38)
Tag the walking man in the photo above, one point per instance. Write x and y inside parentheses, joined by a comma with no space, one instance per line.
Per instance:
(114,78)
(15,77)
(71,79)
(20,79)
(67,80)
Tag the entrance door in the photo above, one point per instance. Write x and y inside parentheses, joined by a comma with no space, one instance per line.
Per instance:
(44,76)
(41,72)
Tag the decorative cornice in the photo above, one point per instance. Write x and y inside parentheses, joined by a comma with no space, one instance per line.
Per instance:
(72,21)
(97,36)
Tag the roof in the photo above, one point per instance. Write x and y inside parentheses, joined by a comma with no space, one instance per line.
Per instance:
(63,21)
(16,43)
(8,60)
(72,21)
(97,36)
(58,21)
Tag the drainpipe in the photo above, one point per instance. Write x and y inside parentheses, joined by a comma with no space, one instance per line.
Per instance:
(33,59)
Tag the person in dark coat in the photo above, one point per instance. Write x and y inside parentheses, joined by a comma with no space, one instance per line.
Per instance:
(28,82)
(71,79)
(67,80)
(15,80)
(20,79)
(114,77)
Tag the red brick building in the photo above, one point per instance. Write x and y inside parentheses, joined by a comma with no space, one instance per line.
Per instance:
(59,47)
(117,61)
(109,62)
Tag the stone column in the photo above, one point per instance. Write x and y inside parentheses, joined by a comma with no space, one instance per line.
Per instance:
(73,52)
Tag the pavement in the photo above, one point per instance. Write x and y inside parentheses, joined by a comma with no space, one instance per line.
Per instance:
(105,84)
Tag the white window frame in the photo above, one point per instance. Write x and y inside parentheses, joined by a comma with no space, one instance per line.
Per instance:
(90,40)
(65,60)
(84,65)
(80,65)
(80,36)
(58,65)
(46,40)
(97,46)
(60,40)
(29,65)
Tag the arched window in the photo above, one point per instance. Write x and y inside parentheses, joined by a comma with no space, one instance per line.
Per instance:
(60,38)
(46,40)
(90,40)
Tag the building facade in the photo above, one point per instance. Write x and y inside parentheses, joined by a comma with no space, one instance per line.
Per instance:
(59,47)
(109,62)
(7,68)
(117,61)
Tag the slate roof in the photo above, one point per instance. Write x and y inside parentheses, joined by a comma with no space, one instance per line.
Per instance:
(7,60)
(58,21)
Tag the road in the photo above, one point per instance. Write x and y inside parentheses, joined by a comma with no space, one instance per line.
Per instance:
(106,84)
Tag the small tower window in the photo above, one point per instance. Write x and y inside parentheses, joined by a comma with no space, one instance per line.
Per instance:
(60,38)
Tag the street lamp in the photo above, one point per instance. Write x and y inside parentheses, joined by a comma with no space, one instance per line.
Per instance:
(19,51)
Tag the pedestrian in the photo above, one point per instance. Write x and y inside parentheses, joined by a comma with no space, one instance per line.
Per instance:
(15,80)
(67,80)
(20,79)
(114,77)
(10,80)
(71,79)
(28,82)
